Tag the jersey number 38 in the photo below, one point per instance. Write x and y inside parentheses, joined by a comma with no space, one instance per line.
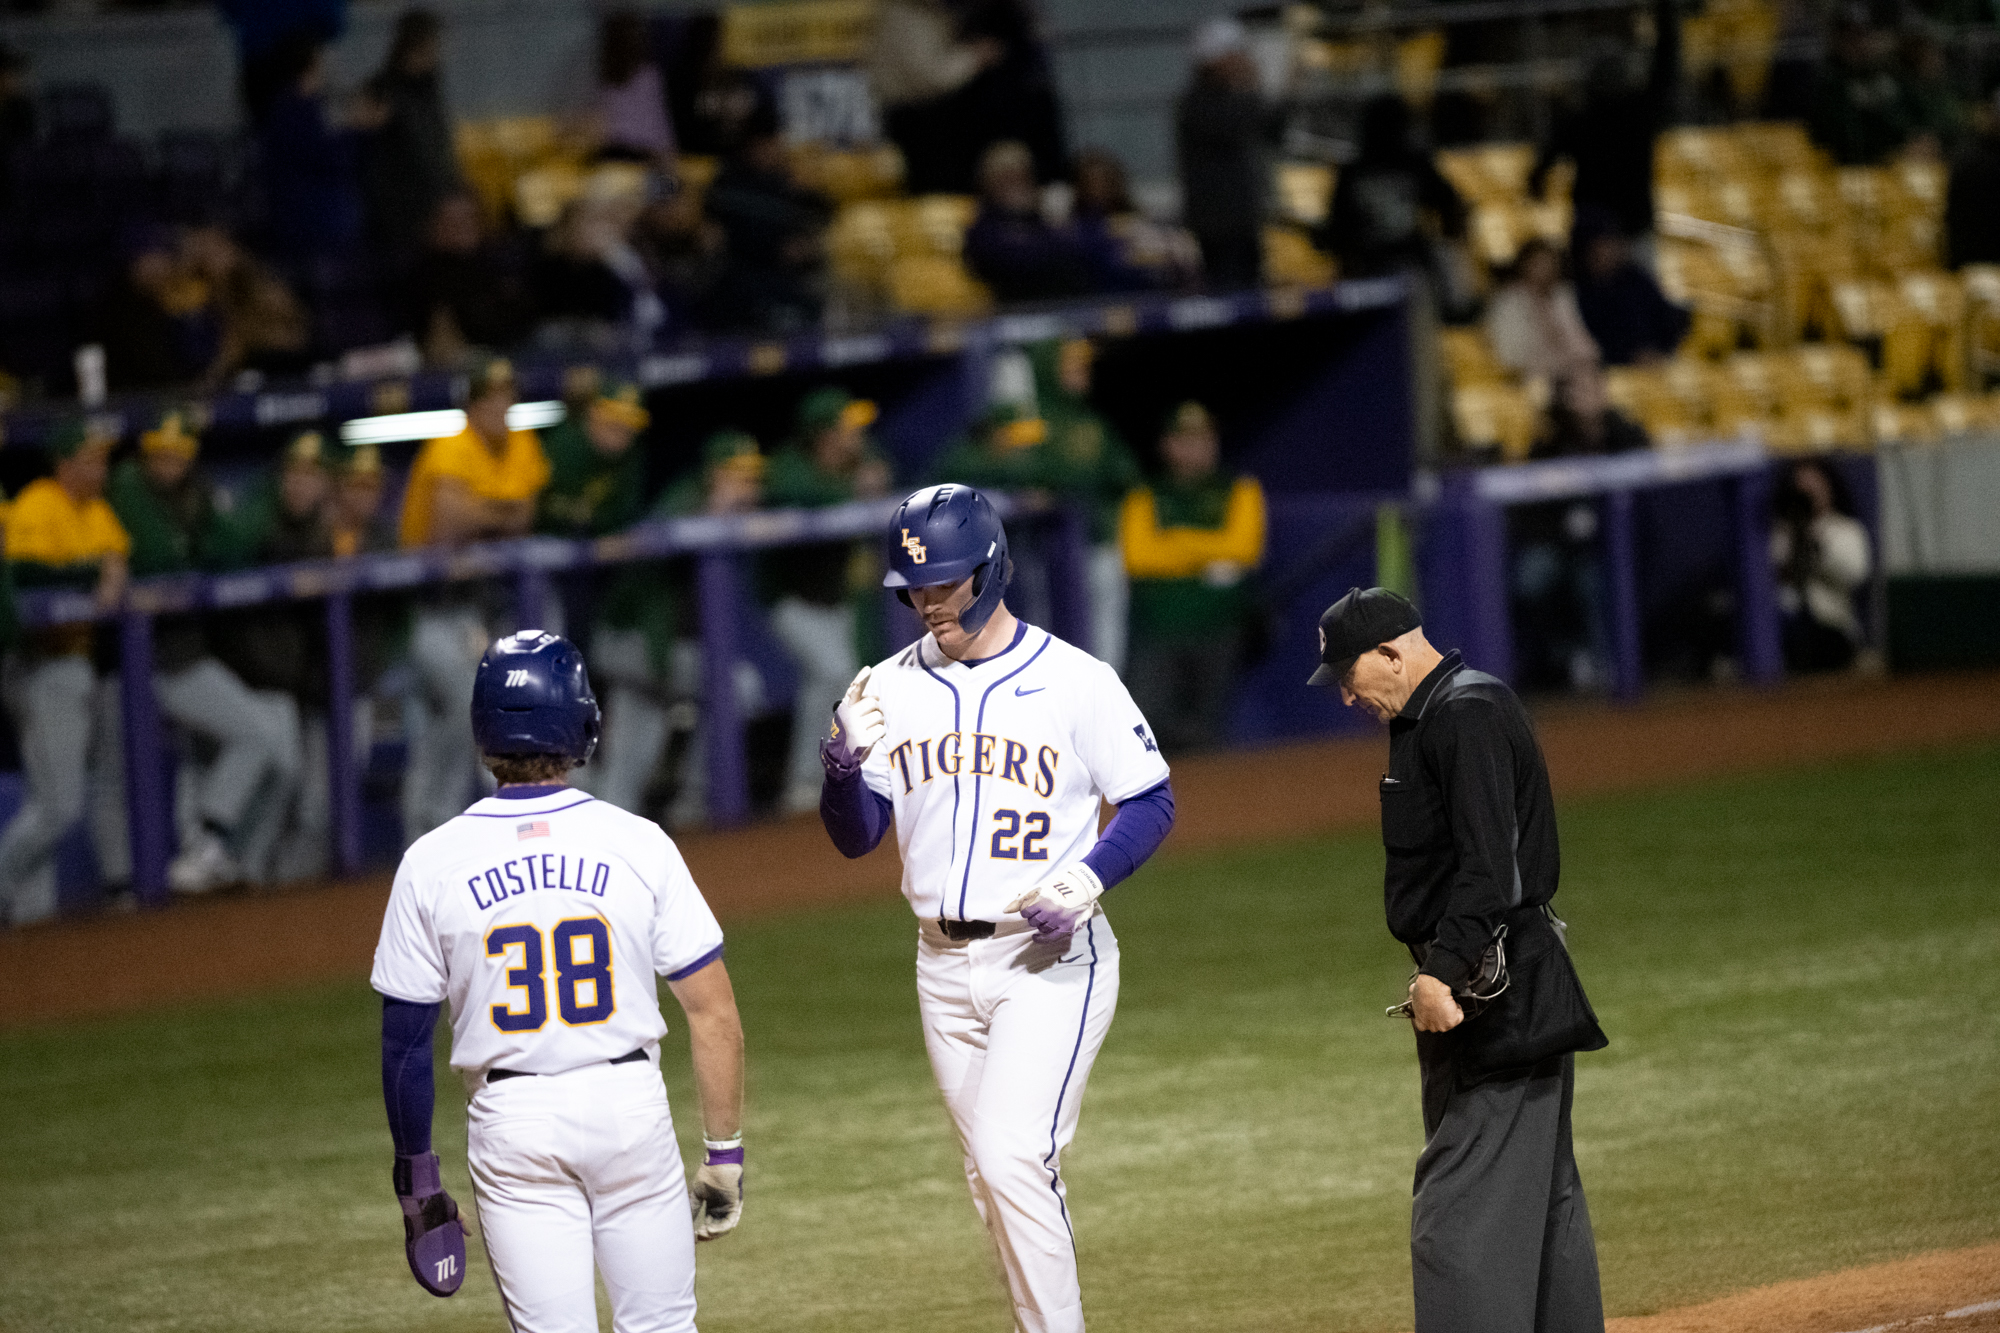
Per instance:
(582,949)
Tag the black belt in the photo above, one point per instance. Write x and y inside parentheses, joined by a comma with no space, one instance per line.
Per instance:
(495,1075)
(965,930)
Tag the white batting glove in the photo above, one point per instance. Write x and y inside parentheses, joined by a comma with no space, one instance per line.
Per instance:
(1060,903)
(857,721)
(717,1196)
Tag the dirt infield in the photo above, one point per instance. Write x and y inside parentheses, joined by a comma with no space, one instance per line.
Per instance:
(1947,1291)
(241,945)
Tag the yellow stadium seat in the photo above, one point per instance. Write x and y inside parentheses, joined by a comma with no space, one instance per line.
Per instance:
(1291,261)
(1468,357)
(1494,416)
(1304,191)
(930,284)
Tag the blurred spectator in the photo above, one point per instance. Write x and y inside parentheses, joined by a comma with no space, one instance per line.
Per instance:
(355,522)
(1623,309)
(597,480)
(1555,601)
(60,533)
(1609,137)
(1390,204)
(1124,250)
(593,293)
(776,228)
(168,505)
(917,61)
(1860,112)
(478,485)
(684,250)
(829,461)
(466,291)
(1822,555)
(312,189)
(409,164)
(1088,465)
(1533,323)
(262,28)
(629,112)
(283,646)
(1191,543)
(17,107)
(264,327)
(1972,201)
(1581,420)
(1013,96)
(1010,246)
(1223,129)
(1936,113)
(647,646)
(158,326)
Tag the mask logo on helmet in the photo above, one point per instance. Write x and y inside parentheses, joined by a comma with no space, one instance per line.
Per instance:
(915,547)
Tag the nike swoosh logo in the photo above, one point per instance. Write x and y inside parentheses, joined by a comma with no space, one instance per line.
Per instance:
(1020,693)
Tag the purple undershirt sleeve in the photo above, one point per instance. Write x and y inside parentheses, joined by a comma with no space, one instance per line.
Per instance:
(1134,833)
(407,1087)
(855,817)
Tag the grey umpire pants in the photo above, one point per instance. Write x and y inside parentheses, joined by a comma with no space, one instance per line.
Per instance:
(1500,1238)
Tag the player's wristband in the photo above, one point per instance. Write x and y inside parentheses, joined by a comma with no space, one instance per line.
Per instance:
(724,1152)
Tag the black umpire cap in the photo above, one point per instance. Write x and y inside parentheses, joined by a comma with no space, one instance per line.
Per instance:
(1364,619)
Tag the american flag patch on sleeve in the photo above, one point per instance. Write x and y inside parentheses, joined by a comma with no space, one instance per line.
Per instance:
(538,828)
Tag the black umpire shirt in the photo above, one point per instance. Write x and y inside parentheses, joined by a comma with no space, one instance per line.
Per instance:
(1467,818)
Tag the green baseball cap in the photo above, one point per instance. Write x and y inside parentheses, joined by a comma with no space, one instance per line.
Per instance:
(823,409)
(73,433)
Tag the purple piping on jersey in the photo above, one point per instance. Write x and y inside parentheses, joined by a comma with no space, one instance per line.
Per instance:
(516,814)
(942,893)
(972,847)
(1055,1123)
(1020,633)
(528,791)
(1133,835)
(713,955)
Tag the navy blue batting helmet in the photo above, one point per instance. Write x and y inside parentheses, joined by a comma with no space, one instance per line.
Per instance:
(532,696)
(940,535)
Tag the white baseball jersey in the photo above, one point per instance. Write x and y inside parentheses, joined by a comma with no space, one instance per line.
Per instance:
(996,768)
(544,921)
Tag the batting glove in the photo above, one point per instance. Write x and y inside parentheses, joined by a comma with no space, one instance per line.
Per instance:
(857,724)
(1060,903)
(433,1233)
(717,1193)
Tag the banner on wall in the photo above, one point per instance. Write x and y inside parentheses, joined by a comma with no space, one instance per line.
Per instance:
(811,56)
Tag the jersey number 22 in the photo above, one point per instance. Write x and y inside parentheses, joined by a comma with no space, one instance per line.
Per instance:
(582,947)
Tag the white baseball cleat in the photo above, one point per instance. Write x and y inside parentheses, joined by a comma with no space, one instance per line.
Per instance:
(204,866)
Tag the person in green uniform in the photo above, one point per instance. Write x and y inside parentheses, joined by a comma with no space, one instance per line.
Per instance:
(167,504)
(1006,450)
(1090,465)
(829,461)
(1191,541)
(597,480)
(61,534)
(648,648)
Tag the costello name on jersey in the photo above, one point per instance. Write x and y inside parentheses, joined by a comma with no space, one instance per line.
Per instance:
(548,871)
(982,755)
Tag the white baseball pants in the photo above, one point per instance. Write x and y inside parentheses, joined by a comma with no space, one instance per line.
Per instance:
(579,1170)
(1013,1028)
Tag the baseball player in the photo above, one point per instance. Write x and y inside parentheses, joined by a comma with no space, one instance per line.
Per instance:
(542,915)
(992,743)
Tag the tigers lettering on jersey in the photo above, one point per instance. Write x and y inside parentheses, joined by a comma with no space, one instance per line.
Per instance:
(983,754)
(535,874)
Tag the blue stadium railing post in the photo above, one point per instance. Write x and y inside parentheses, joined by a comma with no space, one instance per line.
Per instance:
(343,786)
(722,723)
(1622,579)
(1069,576)
(148,816)
(532,599)
(1756,587)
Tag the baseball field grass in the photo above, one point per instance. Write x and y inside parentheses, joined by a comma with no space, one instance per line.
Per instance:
(1796,970)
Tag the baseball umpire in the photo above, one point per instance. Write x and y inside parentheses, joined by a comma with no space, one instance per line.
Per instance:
(543,916)
(1500,1236)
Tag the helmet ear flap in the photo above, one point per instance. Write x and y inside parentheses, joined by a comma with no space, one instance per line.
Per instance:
(903,596)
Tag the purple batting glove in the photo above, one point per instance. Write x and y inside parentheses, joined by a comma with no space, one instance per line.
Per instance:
(433,1237)
(1053,921)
